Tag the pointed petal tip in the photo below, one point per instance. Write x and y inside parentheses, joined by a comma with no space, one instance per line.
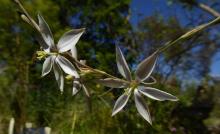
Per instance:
(114,113)
(116,46)
(84,29)
(44,74)
(120,103)
(172,99)
(61,90)
(38,15)
(73,94)
(175,99)
(142,108)
(150,122)
(75,91)
(156,94)
(81,30)
(122,65)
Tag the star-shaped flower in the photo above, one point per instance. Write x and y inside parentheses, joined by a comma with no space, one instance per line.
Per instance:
(137,86)
(54,58)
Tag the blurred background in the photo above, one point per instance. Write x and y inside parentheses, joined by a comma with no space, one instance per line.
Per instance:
(189,70)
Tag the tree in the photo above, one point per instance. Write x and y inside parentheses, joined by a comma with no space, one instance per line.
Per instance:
(37,99)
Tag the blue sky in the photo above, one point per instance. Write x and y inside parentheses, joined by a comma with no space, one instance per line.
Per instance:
(143,8)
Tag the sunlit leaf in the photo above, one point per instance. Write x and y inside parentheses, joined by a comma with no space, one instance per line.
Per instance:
(69,39)
(122,64)
(156,94)
(141,106)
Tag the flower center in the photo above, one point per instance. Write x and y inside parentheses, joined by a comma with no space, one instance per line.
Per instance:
(43,54)
(134,84)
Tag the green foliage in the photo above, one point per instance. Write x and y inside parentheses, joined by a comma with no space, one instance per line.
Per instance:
(30,98)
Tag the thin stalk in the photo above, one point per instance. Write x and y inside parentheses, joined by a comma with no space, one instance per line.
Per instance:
(188,34)
(95,70)
(31,20)
(73,122)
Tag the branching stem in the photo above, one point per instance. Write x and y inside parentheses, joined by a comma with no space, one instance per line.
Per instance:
(160,50)
(96,70)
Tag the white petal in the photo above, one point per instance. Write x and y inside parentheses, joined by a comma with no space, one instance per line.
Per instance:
(67,66)
(145,68)
(75,91)
(141,106)
(122,64)
(156,94)
(43,44)
(47,65)
(74,52)
(69,39)
(76,87)
(149,80)
(120,103)
(45,31)
(113,83)
(58,75)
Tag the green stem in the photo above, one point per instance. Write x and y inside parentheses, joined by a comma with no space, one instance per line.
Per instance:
(73,122)
(95,70)
(188,34)
(34,24)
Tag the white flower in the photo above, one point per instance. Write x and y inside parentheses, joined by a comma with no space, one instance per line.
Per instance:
(137,86)
(55,60)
